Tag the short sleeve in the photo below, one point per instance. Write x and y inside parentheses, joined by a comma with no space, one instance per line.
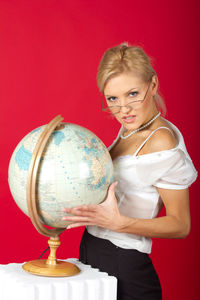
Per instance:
(170,169)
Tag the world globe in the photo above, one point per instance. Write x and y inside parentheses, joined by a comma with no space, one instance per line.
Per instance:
(75,169)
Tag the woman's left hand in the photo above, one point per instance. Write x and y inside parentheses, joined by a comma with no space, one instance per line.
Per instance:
(105,215)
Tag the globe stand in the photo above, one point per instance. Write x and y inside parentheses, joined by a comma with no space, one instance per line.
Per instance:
(51,266)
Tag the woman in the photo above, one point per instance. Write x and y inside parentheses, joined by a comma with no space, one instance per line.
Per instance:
(151,167)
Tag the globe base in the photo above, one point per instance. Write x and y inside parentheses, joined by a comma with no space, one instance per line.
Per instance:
(51,266)
(42,268)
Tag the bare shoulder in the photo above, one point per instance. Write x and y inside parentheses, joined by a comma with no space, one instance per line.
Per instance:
(162,139)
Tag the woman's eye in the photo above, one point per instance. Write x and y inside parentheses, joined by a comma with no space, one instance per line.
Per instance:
(112,99)
(133,94)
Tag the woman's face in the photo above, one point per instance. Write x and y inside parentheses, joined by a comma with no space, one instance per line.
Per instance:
(125,88)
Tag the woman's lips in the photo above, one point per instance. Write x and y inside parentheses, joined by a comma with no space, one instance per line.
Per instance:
(129,119)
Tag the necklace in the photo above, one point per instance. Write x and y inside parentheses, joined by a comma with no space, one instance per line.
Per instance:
(140,128)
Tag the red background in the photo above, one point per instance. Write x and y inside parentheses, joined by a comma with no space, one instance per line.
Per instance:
(49,53)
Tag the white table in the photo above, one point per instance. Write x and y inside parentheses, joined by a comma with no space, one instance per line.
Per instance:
(89,284)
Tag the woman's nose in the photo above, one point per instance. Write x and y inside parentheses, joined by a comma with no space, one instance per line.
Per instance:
(125,109)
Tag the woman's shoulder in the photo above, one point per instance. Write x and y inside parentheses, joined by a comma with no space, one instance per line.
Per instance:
(167,163)
(162,139)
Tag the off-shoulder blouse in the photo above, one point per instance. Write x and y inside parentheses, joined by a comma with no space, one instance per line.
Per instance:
(138,177)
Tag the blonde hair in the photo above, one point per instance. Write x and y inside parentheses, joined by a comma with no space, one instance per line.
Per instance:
(123,58)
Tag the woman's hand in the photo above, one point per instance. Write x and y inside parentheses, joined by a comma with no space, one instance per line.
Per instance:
(105,215)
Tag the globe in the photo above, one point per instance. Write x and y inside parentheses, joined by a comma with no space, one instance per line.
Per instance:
(75,169)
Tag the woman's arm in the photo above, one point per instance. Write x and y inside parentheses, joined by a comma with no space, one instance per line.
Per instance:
(176,223)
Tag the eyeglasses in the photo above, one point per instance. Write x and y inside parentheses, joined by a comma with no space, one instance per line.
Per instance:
(115,109)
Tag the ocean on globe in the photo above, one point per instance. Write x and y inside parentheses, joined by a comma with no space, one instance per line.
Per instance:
(75,169)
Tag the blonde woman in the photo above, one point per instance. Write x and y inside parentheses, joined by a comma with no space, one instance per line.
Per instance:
(152,168)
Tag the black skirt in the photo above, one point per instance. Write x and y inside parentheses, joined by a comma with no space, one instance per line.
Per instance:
(137,277)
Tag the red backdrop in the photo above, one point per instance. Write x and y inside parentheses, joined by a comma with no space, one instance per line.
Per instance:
(49,53)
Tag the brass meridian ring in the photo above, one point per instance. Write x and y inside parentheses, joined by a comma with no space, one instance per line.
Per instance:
(32,179)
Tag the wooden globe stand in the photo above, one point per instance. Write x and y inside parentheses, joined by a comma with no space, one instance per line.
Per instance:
(50,266)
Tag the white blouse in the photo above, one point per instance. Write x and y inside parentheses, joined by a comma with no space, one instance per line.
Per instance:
(138,177)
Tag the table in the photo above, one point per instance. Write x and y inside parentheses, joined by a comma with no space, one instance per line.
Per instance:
(89,284)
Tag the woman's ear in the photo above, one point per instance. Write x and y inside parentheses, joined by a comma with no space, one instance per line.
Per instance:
(154,85)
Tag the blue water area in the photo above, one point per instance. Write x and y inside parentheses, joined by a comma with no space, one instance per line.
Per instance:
(58,136)
(88,150)
(91,150)
(94,141)
(101,183)
(23,158)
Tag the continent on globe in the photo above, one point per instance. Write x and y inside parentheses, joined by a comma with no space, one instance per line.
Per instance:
(75,169)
